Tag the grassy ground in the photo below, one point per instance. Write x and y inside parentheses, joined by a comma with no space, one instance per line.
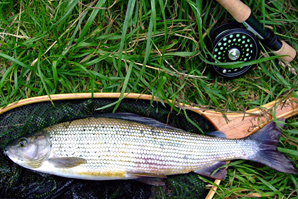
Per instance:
(151,47)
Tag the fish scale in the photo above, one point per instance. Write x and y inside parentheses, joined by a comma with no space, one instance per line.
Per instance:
(105,148)
(140,148)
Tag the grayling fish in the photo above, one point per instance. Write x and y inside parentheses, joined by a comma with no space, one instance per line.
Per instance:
(109,148)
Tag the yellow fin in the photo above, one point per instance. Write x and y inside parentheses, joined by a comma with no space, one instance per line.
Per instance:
(67,162)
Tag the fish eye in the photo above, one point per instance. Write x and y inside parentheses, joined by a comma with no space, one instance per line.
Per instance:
(23,142)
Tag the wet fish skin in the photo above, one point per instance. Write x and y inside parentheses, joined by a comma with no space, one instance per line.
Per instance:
(108,148)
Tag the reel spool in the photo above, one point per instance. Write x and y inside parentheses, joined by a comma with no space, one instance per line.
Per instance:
(230,43)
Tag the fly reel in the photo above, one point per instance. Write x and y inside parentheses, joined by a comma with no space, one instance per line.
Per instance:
(232,43)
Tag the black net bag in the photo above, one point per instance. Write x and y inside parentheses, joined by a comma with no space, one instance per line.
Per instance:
(18,182)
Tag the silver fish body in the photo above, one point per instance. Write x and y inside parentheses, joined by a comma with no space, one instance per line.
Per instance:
(108,148)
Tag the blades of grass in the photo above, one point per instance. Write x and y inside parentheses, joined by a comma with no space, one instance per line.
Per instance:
(147,50)
(5,75)
(212,93)
(282,80)
(162,9)
(30,41)
(263,10)
(117,103)
(90,20)
(128,15)
(196,8)
(153,14)
(192,122)
(268,184)
(15,61)
(55,74)
(108,105)
(91,73)
(41,76)
(81,67)
(159,91)
(68,49)
(294,124)
(294,180)
(97,60)
(15,79)
(127,77)
(292,131)
(181,54)
(294,94)
(32,16)
(288,151)
(68,10)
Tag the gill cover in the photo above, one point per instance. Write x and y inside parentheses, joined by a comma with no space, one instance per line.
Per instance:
(29,152)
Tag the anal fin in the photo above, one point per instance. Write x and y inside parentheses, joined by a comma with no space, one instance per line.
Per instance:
(209,171)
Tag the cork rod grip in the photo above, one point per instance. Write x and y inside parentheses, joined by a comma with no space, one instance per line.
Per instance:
(287,50)
(237,9)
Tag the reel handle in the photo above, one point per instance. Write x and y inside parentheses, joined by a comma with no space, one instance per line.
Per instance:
(242,14)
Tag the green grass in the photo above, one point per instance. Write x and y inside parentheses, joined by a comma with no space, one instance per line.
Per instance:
(151,47)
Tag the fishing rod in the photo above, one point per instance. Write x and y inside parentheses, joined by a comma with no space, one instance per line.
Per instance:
(242,39)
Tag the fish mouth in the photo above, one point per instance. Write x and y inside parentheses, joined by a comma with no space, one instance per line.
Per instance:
(5,151)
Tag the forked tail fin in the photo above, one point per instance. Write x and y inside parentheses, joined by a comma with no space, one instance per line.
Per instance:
(268,138)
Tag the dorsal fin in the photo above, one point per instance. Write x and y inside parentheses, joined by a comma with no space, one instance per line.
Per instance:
(137,118)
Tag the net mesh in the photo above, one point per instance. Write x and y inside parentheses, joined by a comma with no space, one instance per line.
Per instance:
(16,182)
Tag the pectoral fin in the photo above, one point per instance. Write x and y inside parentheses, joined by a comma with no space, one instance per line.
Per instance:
(66,162)
(219,174)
